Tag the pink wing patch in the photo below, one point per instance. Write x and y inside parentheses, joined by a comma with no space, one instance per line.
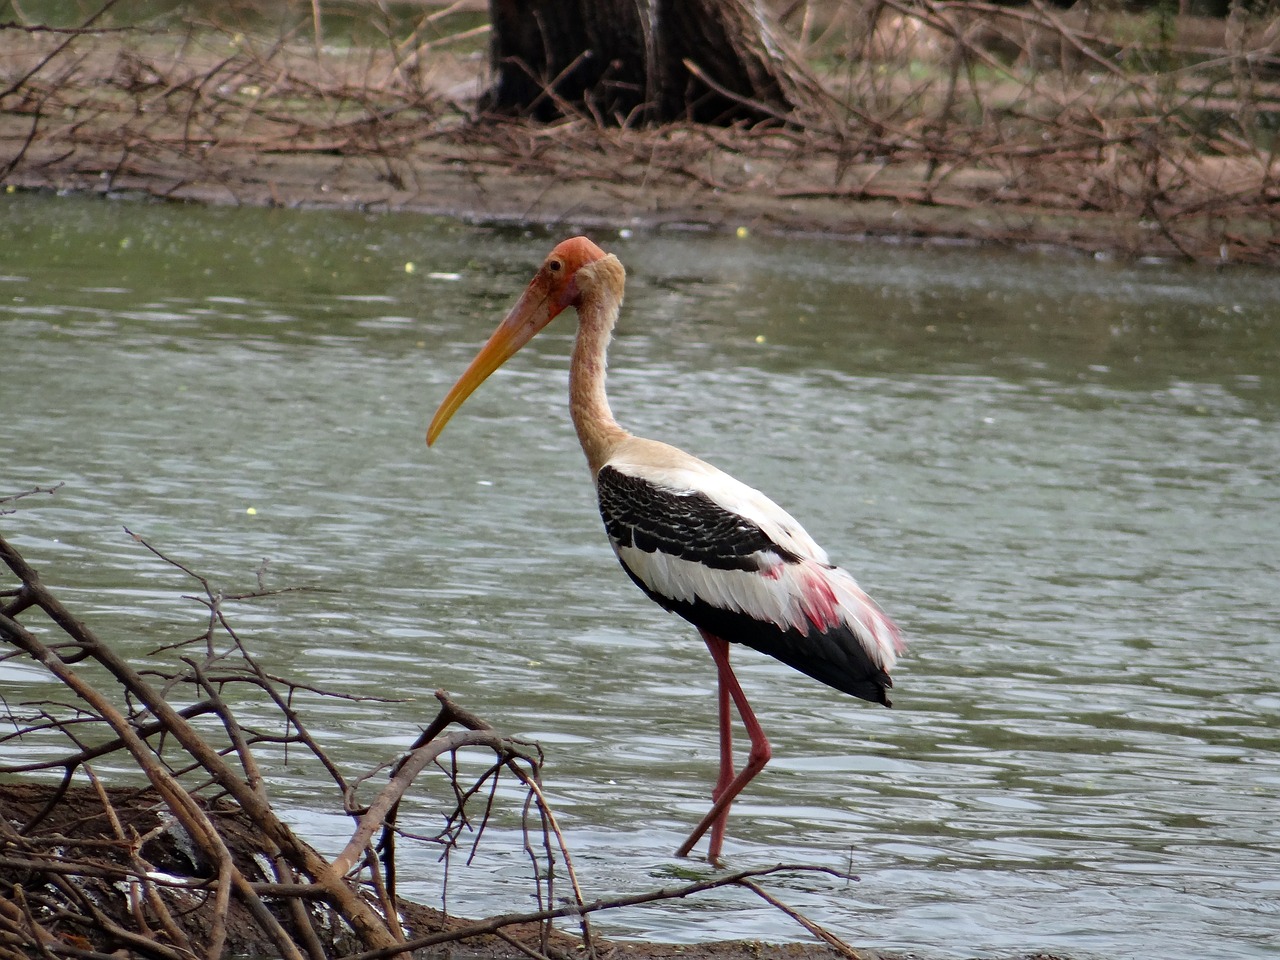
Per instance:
(818,601)
(830,598)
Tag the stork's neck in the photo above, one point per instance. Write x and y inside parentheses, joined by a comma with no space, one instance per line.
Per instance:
(598,310)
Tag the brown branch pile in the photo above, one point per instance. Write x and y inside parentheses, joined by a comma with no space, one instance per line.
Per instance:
(189,856)
(1170,121)
(996,122)
(151,101)
(1141,133)
(201,768)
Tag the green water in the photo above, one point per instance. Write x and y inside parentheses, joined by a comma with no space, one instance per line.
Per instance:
(1061,477)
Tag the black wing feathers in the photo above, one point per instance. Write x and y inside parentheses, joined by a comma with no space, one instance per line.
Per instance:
(690,526)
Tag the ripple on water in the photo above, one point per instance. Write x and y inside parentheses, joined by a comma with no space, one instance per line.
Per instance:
(1068,501)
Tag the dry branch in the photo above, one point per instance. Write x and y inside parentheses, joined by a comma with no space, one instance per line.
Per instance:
(193,819)
(681,892)
(196,861)
(407,771)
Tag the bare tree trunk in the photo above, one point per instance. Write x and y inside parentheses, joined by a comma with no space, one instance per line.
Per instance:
(636,62)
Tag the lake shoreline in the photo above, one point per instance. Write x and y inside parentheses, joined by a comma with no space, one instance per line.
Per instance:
(471,179)
(177,118)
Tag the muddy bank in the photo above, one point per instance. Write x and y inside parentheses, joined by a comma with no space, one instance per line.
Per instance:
(1086,162)
(518,174)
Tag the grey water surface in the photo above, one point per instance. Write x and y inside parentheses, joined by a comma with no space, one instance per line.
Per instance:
(1061,476)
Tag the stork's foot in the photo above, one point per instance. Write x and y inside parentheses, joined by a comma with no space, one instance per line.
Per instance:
(717,817)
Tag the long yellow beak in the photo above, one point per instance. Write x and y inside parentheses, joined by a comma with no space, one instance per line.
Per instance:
(534,310)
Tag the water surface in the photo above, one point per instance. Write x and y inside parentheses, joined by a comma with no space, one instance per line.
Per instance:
(1061,477)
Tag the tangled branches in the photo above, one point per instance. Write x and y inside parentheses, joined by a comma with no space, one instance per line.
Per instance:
(190,856)
(1167,121)
(198,773)
(1143,133)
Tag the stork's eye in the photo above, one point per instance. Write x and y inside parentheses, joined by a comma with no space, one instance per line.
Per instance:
(554,266)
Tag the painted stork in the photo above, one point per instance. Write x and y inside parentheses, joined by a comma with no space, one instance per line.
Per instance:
(695,540)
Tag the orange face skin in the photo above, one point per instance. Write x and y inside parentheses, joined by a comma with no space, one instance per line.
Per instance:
(552,289)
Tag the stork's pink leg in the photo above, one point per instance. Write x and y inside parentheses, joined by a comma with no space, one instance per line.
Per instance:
(720,654)
(728,786)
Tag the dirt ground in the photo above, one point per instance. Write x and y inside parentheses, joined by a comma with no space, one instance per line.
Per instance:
(177,118)
(476,177)
(513,173)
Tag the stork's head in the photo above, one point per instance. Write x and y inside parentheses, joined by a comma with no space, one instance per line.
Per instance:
(554,287)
